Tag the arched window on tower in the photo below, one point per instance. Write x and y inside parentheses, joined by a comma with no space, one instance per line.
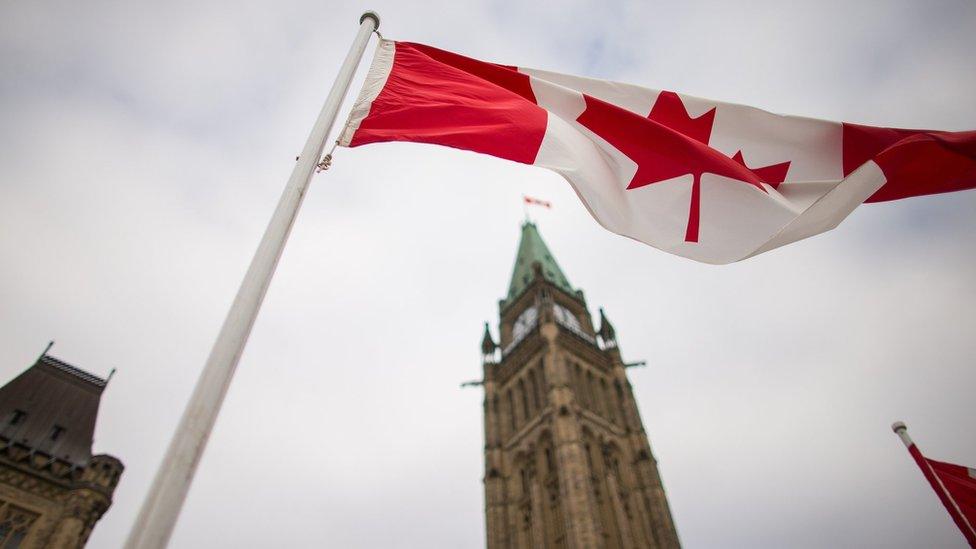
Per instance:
(541,377)
(589,458)
(14,525)
(608,401)
(534,389)
(496,415)
(511,411)
(590,393)
(620,401)
(526,411)
(579,383)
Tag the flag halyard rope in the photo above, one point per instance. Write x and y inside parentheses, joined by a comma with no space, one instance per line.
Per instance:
(326,161)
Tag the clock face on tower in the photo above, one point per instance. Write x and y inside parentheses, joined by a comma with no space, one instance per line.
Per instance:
(566,318)
(524,322)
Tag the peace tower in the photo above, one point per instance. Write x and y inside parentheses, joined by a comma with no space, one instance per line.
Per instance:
(567,461)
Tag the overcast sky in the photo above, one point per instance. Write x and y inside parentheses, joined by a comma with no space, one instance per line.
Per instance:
(143,146)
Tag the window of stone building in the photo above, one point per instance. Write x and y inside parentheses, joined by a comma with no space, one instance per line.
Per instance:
(15,523)
(591,396)
(579,382)
(540,377)
(17,417)
(620,400)
(533,391)
(511,410)
(497,412)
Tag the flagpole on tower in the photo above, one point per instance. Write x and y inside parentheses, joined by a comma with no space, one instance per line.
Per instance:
(164,501)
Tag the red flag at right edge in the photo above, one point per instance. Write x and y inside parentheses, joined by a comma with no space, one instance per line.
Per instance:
(954,484)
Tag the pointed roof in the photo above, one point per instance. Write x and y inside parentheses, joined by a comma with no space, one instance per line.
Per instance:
(51,408)
(606,329)
(533,249)
(488,344)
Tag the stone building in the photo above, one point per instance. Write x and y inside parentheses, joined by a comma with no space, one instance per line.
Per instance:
(567,461)
(52,489)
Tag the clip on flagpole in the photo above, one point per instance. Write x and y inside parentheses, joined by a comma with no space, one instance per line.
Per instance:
(326,161)
(164,501)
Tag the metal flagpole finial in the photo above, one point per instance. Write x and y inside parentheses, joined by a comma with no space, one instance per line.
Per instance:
(902,432)
(370,14)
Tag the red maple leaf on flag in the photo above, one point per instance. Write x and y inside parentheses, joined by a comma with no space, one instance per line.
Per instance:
(772,175)
(670,143)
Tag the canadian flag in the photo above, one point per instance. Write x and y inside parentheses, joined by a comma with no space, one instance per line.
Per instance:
(711,181)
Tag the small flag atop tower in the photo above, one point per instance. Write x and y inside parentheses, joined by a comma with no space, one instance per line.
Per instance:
(529,201)
(536,202)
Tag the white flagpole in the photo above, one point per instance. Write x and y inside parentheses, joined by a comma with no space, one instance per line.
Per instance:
(161,508)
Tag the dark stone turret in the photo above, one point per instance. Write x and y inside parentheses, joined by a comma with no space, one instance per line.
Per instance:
(488,344)
(47,471)
(606,332)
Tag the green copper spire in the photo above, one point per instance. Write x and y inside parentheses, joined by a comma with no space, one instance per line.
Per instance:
(531,250)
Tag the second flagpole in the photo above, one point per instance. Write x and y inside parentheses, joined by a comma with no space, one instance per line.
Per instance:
(161,508)
(940,490)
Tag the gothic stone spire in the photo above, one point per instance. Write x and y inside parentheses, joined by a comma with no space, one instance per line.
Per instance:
(567,461)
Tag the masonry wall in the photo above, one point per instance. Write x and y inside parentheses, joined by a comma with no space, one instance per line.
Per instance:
(49,504)
(567,461)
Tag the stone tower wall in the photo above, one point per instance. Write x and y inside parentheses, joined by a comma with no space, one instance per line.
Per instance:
(567,461)
(49,504)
